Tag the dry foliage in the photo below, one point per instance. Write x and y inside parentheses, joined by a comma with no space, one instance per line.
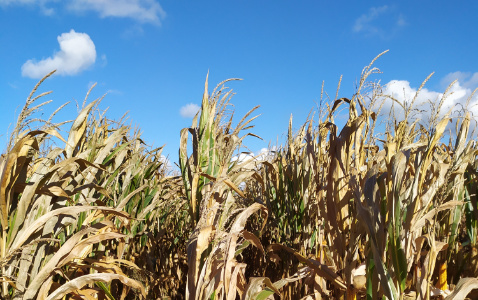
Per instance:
(335,213)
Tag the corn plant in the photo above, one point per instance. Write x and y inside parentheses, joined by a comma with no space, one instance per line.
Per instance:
(47,249)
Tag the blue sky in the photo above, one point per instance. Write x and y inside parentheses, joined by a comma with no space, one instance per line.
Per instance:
(152,57)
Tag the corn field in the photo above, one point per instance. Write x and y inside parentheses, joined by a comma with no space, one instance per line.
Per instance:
(382,208)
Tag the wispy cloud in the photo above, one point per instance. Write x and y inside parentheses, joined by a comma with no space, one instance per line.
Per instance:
(104,60)
(143,11)
(189,110)
(41,4)
(115,92)
(133,31)
(401,21)
(13,85)
(101,86)
(364,22)
(77,53)
(90,84)
(384,15)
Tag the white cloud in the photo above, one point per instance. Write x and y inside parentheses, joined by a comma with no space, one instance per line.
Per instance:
(389,22)
(144,11)
(454,101)
(467,79)
(243,157)
(262,155)
(189,110)
(266,153)
(77,53)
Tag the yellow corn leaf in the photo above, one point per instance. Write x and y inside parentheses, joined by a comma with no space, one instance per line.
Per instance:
(82,281)
(78,129)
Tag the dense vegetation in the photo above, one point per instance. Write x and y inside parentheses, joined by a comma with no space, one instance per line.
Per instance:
(334,213)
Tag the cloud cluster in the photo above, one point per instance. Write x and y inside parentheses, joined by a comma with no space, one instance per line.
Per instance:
(243,157)
(77,53)
(262,155)
(366,22)
(143,11)
(455,100)
(189,110)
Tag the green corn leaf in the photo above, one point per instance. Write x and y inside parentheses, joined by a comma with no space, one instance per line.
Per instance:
(471,222)
(370,269)
(107,291)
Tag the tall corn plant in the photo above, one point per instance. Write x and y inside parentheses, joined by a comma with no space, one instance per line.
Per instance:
(134,180)
(140,185)
(289,187)
(309,194)
(406,191)
(41,198)
(219,208)
(418,182)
